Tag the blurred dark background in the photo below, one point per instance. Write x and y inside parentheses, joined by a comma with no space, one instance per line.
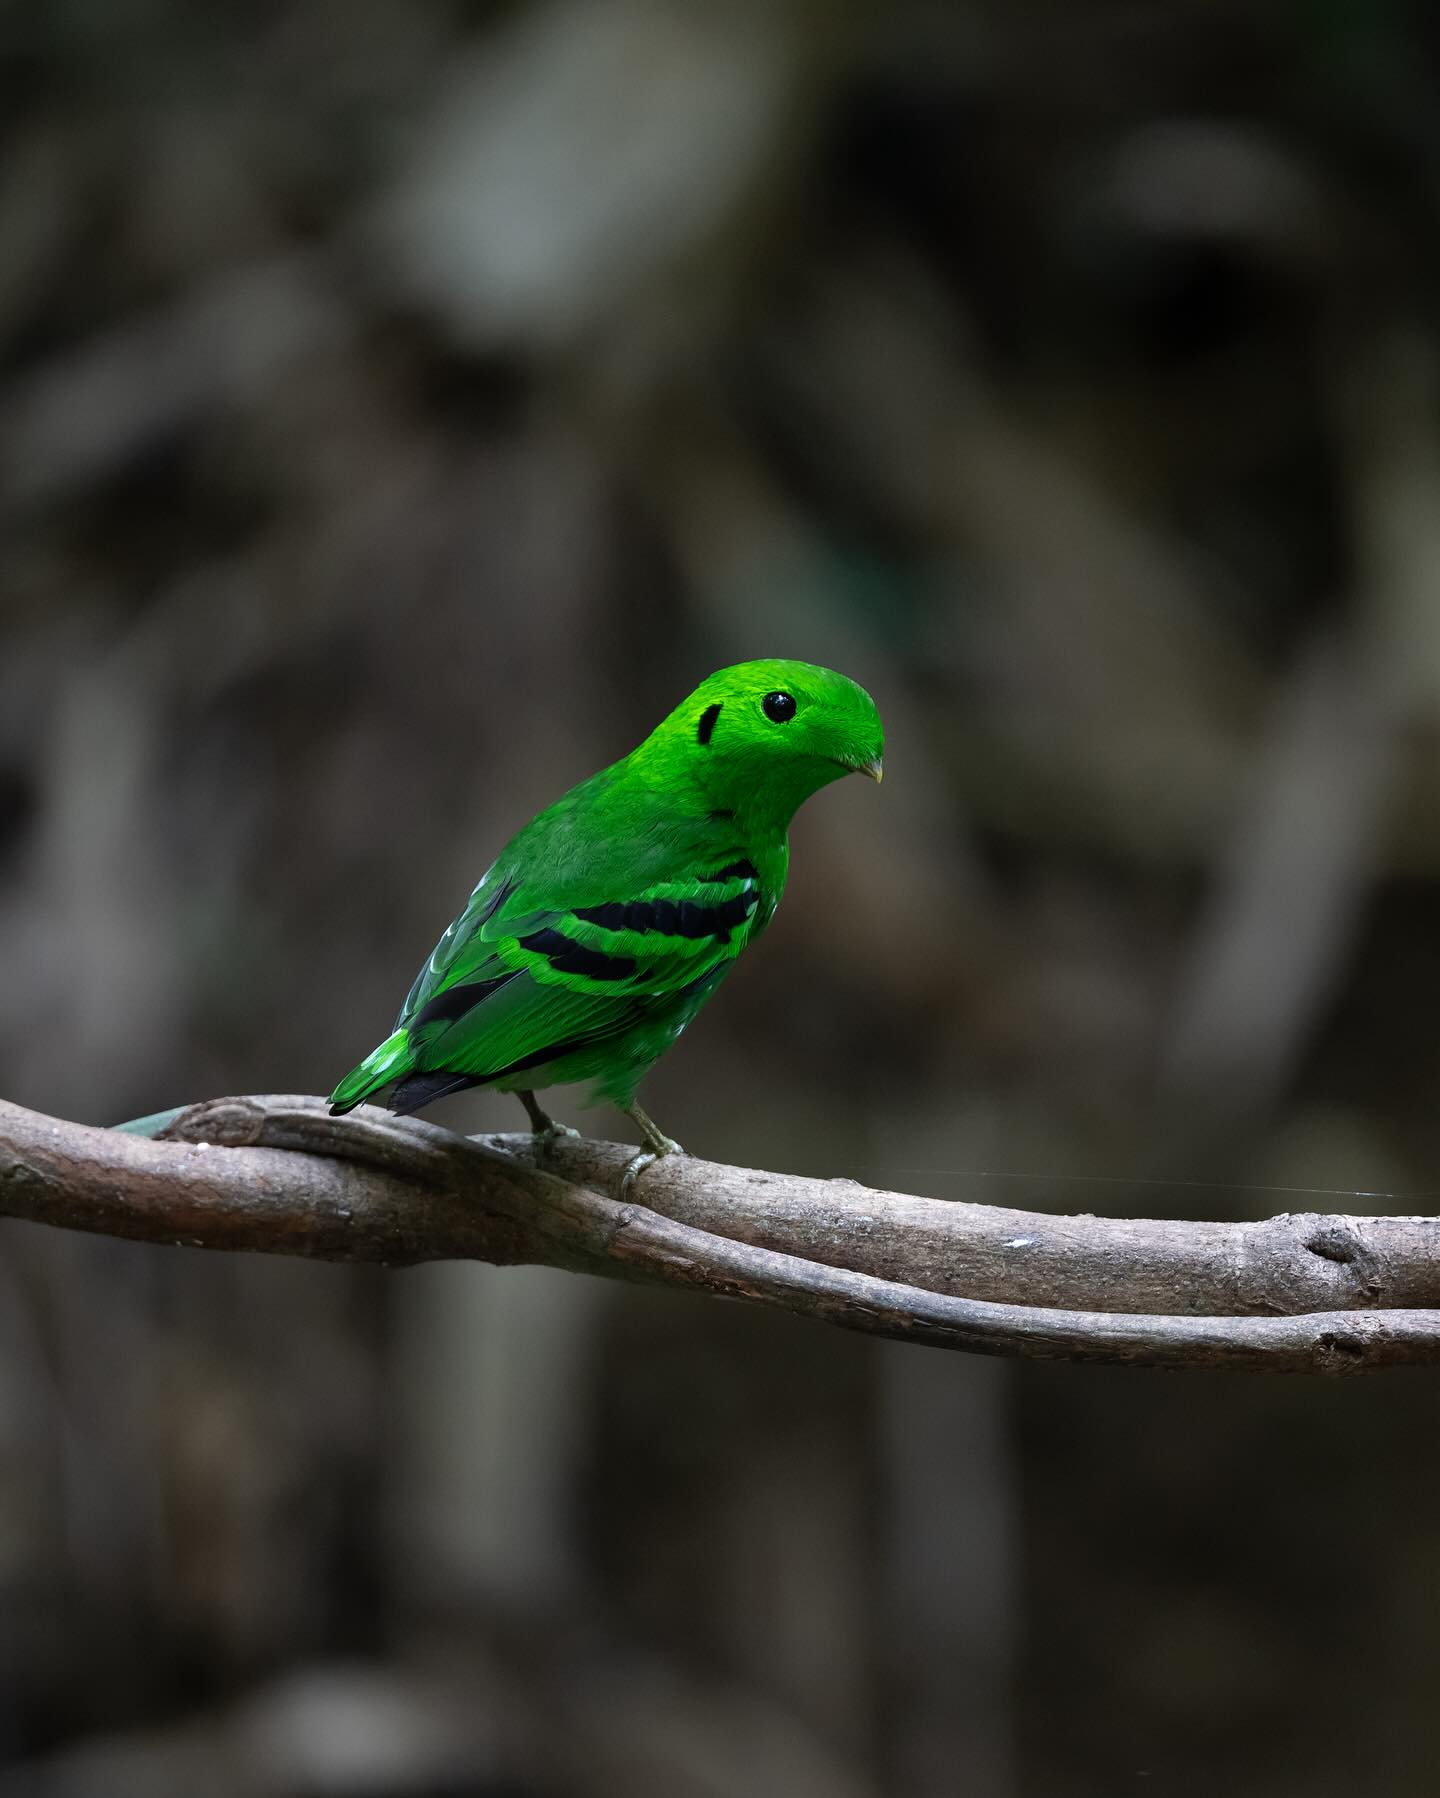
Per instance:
(402,404)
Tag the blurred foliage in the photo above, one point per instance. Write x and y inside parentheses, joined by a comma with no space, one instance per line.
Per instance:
(401,405)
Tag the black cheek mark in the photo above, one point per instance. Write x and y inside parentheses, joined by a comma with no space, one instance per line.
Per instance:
(455,1001)
(707,725)
(574,958)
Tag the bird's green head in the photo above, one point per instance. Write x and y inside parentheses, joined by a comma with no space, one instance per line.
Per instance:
(766,735)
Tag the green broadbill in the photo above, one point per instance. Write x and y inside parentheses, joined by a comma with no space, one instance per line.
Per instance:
(606,923)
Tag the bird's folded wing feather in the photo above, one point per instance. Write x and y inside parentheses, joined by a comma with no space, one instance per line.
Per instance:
(513,981)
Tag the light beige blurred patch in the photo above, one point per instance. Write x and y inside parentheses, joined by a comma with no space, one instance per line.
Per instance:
(582,152)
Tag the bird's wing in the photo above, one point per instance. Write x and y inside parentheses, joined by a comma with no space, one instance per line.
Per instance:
(514,983)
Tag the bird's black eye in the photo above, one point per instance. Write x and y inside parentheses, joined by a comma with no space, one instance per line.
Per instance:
(779,708)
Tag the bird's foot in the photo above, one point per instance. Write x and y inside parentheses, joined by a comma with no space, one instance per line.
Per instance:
(637,1165)
(657,1146)
(549,1134)
(544,1129)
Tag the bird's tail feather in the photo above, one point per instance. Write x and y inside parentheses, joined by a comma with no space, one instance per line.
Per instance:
(391,1061)
(421,1090)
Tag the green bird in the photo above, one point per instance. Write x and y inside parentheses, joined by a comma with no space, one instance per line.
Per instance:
(606,923)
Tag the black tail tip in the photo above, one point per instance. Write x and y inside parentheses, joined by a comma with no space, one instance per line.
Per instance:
(419,1090)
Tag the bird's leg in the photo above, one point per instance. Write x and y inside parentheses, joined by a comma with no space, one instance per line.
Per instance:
(541,1121)
(544,1126)
(657,1144)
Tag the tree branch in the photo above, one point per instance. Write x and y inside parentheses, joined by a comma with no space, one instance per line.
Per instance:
(1303,1293)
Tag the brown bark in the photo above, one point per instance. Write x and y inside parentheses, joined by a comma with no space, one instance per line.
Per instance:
(1300,1293)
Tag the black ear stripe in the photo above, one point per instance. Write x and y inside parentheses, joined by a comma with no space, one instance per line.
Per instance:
(707,725)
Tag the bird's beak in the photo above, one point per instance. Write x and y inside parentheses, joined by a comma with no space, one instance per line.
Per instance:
(875,769)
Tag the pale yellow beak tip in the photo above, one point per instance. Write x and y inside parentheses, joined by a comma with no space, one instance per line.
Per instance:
(875,769)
